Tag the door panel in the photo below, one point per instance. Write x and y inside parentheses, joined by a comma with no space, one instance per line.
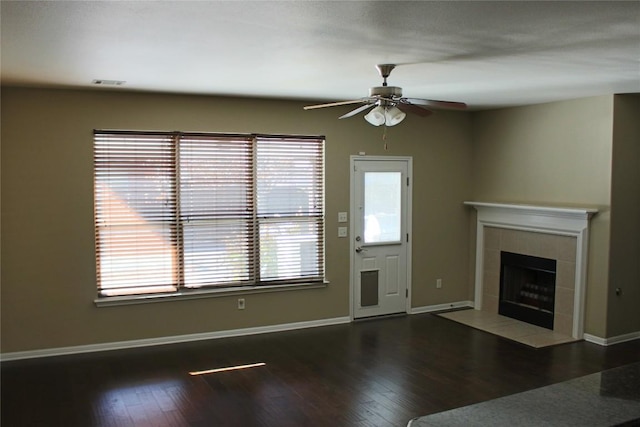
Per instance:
(392,268)
(379,206)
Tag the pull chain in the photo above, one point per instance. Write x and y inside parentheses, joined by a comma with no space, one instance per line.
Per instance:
(384,137)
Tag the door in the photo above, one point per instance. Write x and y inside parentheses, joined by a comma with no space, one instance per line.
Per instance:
(380,224)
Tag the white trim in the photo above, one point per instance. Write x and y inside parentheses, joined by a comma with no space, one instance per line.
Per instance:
(202,293)
(441,307)
(552,211)
(594,339)
(118,345)
(567,221)
(613,340)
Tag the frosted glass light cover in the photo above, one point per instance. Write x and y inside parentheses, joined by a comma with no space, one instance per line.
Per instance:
(394,115)
(376,116)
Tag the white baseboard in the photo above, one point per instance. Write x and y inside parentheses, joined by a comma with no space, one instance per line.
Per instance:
(440,307)
(613,340)
(118,345)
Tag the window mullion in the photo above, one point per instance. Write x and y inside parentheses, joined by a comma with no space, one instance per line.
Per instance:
(178,214)
(255,224)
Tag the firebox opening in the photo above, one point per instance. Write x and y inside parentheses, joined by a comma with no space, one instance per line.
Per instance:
(527,288)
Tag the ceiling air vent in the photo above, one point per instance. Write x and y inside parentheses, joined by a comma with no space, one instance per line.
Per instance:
(101,82)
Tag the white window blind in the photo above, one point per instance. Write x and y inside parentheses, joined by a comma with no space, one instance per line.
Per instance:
(216,210)
(135,197)
(290,180)
(177,211)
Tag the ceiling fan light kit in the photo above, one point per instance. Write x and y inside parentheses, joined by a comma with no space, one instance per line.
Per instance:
(388,116)
(389,106)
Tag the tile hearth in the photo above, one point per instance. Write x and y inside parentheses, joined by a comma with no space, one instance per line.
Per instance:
(506,327)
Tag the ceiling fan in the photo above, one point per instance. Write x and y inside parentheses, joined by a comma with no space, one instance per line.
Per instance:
(388,105)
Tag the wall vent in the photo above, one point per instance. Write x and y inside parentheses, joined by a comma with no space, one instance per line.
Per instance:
(101,82)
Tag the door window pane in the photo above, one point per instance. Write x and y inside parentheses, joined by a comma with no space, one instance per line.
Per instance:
(382,206)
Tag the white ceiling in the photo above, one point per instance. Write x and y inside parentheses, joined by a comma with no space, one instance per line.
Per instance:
(487,54)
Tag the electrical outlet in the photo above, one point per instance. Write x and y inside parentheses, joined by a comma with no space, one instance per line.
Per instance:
(240,303)
(342,217)
(438,283)
(343,232)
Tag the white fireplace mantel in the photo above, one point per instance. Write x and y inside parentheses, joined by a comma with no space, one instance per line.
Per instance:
(567,221)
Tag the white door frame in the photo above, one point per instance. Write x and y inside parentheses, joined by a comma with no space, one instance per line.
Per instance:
(353,209)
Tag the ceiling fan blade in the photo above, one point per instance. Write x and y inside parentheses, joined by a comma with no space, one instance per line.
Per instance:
(415,109)
(356,111)
(436,104)
(333,104)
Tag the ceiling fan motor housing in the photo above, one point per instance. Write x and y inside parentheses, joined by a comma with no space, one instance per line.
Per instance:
(386,91)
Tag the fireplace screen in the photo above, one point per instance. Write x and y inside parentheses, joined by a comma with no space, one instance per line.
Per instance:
(527,288)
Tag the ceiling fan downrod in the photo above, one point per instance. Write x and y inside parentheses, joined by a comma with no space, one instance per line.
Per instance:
(385,71)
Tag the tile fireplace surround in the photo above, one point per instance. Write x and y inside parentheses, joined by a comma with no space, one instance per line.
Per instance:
(557,233)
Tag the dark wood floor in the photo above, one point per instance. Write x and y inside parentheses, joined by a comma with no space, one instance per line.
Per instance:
(381,372)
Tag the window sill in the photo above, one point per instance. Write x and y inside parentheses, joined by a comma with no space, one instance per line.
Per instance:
(200,293)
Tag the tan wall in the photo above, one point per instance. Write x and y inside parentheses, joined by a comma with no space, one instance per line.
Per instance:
(48,267)
(559,154)
(624,316)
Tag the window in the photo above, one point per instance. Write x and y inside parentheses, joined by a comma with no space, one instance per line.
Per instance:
(382,207)
(178,211)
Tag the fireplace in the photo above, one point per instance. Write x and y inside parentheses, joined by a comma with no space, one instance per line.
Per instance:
(556,233)
(527,288)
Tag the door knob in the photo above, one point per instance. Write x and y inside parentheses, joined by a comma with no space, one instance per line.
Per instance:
(359,249)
